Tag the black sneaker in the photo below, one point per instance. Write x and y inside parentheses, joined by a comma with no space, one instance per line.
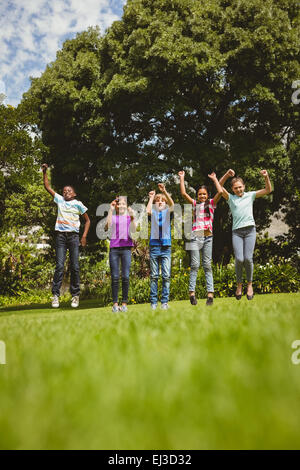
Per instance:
(193,300)
(209,300)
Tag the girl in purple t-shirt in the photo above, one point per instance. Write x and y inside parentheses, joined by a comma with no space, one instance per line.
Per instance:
(120,221)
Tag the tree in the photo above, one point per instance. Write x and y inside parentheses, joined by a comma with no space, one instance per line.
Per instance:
(175,84)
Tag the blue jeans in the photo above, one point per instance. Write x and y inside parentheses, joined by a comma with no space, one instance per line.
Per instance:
(66,241)
(160,255)
(203,245)
(243,241)
(116,255)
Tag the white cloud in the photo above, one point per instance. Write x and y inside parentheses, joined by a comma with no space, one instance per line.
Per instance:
(31,32)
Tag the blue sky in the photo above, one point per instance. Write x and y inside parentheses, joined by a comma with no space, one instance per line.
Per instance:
(32,31)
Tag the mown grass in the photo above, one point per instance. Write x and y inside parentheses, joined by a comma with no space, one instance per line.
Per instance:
(216,377)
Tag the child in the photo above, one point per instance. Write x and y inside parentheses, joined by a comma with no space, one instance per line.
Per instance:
(202,233)
(67,237)
(243,228)
(160,244)
(121,221)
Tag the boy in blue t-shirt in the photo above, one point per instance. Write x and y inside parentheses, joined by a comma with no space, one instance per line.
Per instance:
(67,237)
(160,243)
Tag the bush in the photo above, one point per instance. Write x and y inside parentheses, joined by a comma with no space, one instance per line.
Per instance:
(267,279)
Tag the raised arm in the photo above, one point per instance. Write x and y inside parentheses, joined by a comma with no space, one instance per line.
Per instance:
(214,178)
(46,181)
(170,201)
(150,203)
(182,188)
(110,214)
(229,174)
(268,187)
(132,220)
(86,229)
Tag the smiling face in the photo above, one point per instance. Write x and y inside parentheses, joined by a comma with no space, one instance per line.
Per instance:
(238,188)
(202,195)
(121,206)
(160,202)
(68,193)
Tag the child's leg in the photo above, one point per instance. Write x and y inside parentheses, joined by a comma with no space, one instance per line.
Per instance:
(166,273)
(154,272)
(195,264)
(73,245)
(126,262)
(114,262)
(249,244)
(206,262)
(61,250)
(238,248)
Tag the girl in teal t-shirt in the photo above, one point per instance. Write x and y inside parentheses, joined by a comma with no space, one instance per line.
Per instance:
(243,229)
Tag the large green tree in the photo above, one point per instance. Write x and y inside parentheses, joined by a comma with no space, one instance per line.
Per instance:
(201,84)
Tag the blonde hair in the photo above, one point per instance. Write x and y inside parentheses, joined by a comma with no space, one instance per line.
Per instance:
(160,195)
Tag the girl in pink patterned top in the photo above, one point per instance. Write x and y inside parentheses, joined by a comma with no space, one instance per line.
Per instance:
(202,233)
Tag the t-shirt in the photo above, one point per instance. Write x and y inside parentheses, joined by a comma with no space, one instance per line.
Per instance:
(203,217)
(120,231)
(161,227)
(242,209)
(68,213)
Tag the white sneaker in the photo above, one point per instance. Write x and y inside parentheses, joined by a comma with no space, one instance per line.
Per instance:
(75,301)
(153,306)
(55,301)
(165,306)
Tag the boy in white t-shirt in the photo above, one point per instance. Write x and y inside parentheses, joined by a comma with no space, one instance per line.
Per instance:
(67,238)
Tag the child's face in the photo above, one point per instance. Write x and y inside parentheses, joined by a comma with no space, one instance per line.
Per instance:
(238,188)
(121,206)
(68,193)
(160,203)
(202,195)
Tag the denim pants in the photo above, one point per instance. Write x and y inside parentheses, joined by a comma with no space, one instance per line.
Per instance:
(243,241)
(116,255)
(201,245)
(160,255)
(66,241)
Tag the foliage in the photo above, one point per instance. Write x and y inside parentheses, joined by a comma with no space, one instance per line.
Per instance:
(19,152)
(175,84)
(22,267)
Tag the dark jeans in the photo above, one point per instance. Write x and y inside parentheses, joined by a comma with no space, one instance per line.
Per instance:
(66,241)
(116,255)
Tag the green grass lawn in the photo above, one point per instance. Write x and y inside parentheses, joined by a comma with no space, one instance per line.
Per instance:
(187,378)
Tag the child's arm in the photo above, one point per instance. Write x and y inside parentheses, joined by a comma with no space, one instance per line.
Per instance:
(132,223)
(86,229)
(109,215)
(182,188)
(213,177)
(229,174)
(150,203)
(268,187)
(163,190)
(45,180)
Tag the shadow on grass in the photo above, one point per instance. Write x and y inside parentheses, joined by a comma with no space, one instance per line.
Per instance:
(64,306)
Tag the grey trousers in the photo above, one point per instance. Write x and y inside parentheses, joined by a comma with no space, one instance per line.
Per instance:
(243,241)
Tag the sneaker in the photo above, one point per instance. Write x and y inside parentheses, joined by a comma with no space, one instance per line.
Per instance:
(115,309)
(123,308)
(209,301)
(75,301)
(153,306)
(193,300)
(55,301)
(164,306)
